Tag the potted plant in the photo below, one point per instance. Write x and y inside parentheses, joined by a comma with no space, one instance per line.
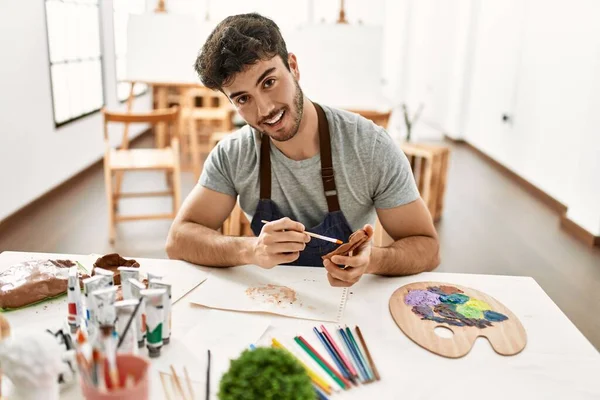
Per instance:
(266,373)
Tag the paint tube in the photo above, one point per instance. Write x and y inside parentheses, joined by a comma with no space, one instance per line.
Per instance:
(125,310)
(90,285)
(104,303)
(156,284)
(152,277)
(109,347)
(74,300)
(109,275)
(140,318)
(126,274)
(154,320)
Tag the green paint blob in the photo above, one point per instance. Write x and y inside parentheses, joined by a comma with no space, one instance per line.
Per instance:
(468,311)
(455,298)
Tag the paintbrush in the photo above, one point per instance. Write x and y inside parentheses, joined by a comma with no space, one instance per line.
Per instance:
(208,377)
(317,236)
(135,311)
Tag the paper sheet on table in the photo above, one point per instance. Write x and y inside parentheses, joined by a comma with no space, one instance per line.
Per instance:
(225,333)
(298,292)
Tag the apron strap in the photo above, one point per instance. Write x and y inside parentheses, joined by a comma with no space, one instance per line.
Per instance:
(265,167)
(326,163)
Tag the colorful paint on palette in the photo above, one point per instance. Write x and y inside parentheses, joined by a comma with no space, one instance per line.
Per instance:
(455,298)
(449,305)
(422,298)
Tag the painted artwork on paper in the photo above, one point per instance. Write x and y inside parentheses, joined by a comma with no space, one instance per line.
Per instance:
(449,305)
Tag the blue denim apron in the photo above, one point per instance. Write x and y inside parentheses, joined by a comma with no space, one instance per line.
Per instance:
(334,225)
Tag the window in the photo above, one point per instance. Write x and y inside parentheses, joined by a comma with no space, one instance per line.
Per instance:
(75,58)
(122,10)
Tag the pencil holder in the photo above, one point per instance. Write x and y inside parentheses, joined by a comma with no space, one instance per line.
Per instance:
(128,365)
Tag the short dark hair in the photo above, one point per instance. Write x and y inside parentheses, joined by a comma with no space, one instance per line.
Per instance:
(236,42)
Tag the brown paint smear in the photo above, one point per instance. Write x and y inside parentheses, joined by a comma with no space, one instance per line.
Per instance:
(272,294)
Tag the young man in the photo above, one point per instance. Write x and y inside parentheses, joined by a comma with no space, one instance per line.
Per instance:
(300,166)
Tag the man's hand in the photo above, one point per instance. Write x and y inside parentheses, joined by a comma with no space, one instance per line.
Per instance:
(355,265)
(279,242)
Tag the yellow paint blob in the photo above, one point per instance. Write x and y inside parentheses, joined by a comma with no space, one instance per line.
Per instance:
(478,304)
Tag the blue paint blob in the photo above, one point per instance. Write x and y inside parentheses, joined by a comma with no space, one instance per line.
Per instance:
(455,298)
(494,316)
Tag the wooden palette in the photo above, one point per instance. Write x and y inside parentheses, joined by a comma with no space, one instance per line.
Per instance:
(507,337)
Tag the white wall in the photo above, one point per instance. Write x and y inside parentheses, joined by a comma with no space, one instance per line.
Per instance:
(539,62)
(34,155)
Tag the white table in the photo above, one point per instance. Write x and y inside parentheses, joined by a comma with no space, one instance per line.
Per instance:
(557,363)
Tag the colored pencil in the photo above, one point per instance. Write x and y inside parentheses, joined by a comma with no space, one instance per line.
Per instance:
(364,345)
(345,360)
(320,394)
(317,380)
(317,236)
(334,356)
(353,355)
(310,362)
(363,359)
(322,363)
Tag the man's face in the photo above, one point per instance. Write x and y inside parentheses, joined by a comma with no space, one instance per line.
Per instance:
(269,98)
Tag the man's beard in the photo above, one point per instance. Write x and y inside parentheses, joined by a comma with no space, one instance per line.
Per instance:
(298,110)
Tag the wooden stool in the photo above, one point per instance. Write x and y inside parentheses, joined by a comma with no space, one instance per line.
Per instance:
(429,164)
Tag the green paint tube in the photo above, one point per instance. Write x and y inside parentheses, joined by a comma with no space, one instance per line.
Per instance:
(157,284)
(154,320)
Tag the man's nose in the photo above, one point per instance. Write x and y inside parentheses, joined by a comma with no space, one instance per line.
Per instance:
(265,107)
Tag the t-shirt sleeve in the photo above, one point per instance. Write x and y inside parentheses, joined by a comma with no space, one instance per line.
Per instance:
(216,173)
(394,181)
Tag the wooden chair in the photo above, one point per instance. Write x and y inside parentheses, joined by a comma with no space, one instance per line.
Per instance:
(117,161)
(204,112)
(236,224)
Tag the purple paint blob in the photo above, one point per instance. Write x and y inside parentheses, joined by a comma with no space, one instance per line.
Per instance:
(424,311)
(421,298)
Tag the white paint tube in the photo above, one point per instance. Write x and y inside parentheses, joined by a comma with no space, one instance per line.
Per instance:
(154,320)
(156,284)
(108,275)
(104,303)
(125,310)
(128,273)
(74,300)
(140,318)
(90,285)
(152,277)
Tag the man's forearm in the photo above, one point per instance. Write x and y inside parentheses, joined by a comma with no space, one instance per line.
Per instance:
(406,256)
(203,246)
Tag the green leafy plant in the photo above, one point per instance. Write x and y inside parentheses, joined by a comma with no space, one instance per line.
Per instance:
(410,122)
(266,373)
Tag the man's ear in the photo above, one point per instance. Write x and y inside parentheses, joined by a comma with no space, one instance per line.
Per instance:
(293,63)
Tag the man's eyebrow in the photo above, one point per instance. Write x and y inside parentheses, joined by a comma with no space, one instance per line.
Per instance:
(258,81)
(263,75)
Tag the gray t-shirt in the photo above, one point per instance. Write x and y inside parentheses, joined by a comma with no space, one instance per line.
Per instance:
(370,172)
